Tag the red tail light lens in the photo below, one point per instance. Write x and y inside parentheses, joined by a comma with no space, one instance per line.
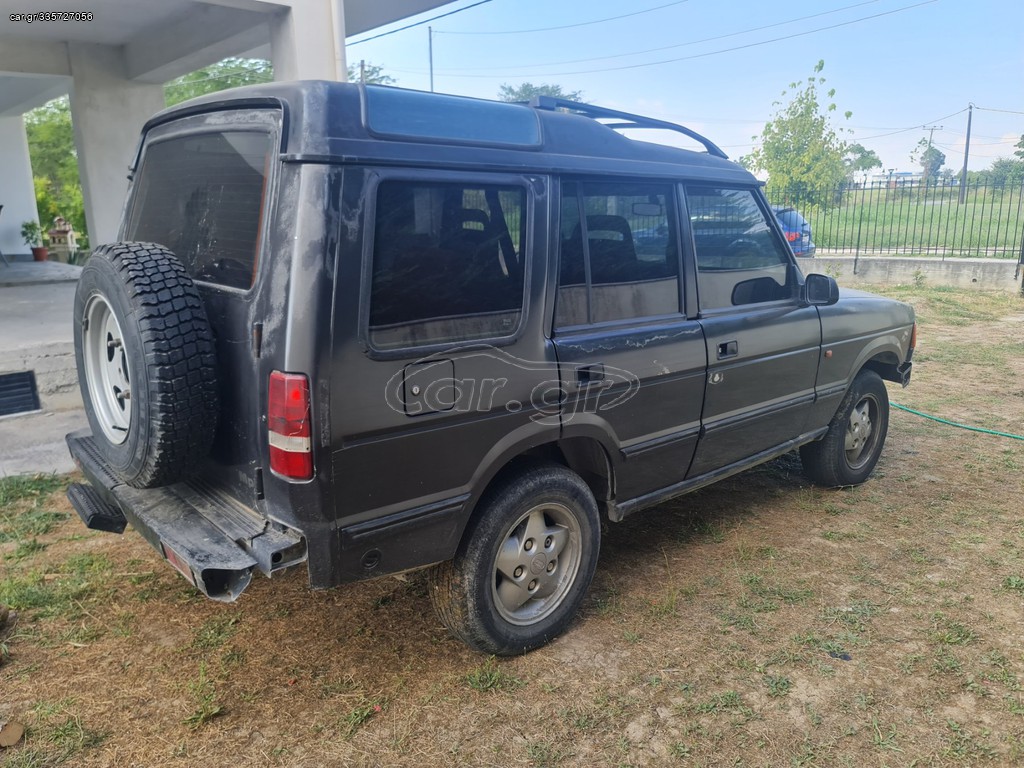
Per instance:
(913,337)
(792,236)
(288,414)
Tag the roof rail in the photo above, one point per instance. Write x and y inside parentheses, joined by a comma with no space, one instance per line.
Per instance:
(629,120)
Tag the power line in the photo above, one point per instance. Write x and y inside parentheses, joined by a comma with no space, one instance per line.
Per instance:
(911,128)
(703,55)
(688,43)
(416,24)
(1007,111)
(569,26)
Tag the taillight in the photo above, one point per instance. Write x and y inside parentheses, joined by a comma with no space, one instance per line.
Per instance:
(792,236)
(913,337)
(288,414)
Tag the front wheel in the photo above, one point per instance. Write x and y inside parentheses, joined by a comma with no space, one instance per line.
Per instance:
(525,564)
(850,449)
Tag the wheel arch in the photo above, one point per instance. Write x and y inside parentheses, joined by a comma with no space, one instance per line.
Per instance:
(587,456)
(886,364)
(883,355)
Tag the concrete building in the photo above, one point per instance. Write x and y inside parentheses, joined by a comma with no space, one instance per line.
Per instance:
(113,58)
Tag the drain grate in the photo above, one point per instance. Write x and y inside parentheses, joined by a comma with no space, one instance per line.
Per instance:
(18,393)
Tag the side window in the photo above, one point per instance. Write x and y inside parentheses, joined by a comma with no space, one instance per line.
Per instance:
(618,255)
(739,260)
(447,263)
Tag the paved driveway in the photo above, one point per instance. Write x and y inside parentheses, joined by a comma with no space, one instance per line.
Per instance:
(35,335)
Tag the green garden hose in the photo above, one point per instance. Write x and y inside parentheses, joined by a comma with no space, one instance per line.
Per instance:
(955,424)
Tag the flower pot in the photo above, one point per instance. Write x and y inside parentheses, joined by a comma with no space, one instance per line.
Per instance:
(40,253)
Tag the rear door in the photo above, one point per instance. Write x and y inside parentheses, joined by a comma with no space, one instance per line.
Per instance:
(762,345)
(632,363)
(439,351)
(202,190)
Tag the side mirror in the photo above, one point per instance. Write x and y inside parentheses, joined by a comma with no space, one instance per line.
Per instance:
(820,290)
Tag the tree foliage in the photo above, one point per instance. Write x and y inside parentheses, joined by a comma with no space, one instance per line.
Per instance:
(374,74)
(860,159)
(51,148)
(1019,148)
(799,149)
(930,158)
(229,73)
(526,91)
(1005,172)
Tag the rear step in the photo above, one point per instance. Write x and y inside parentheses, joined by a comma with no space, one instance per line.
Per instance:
(94,511)
(214,545)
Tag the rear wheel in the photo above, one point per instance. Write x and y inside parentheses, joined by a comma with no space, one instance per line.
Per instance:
(856,435)
(525,563)
(146,363)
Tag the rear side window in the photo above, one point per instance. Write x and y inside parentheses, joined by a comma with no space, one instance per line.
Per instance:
(202,196)
(448,263)
(618,254)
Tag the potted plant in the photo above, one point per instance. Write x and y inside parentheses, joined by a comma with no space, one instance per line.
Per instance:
(32,234)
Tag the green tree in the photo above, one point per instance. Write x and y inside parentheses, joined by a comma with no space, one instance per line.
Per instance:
(930,158)
(1005,172)
(1019,152)
(51,148)
(799,149)
(526,91)
(861,160)
(229,73)
(374,74)
(236,72)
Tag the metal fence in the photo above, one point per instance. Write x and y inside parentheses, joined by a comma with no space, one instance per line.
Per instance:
(916,219)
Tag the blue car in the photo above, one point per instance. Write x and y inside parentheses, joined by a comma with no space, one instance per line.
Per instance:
(796,229)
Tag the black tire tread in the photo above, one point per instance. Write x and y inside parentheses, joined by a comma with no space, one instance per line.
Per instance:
(449,582)
(823,461)
(180,359)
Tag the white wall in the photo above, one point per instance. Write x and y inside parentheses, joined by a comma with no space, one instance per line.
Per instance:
(16,192)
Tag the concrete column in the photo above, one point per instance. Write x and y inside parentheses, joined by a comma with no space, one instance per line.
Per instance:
(307,41)
(17,195)
(108,110)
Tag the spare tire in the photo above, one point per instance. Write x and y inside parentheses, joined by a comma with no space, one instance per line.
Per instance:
(146,363)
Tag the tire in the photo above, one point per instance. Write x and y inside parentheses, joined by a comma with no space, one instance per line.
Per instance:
(856,435)
(146,363)
(538,528)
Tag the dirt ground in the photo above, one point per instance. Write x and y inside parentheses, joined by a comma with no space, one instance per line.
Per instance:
(758,622)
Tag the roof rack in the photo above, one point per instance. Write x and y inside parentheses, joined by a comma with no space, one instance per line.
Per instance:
(629,120)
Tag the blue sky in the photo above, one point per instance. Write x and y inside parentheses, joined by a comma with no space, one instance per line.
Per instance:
(896,64)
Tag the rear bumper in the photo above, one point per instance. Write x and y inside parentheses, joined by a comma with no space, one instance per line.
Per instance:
(212,540)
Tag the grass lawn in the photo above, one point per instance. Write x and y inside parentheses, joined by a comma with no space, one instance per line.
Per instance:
(758,622)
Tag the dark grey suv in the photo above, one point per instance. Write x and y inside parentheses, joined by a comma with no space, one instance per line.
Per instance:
(371,330)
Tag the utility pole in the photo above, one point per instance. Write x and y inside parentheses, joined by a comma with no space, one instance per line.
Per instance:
(430,53)
(931,130)
(362,71)
(967,151)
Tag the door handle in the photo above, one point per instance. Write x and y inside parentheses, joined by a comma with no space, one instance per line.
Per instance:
(585,374)
(728,349)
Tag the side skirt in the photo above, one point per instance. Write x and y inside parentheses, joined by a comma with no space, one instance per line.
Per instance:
(618,511)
